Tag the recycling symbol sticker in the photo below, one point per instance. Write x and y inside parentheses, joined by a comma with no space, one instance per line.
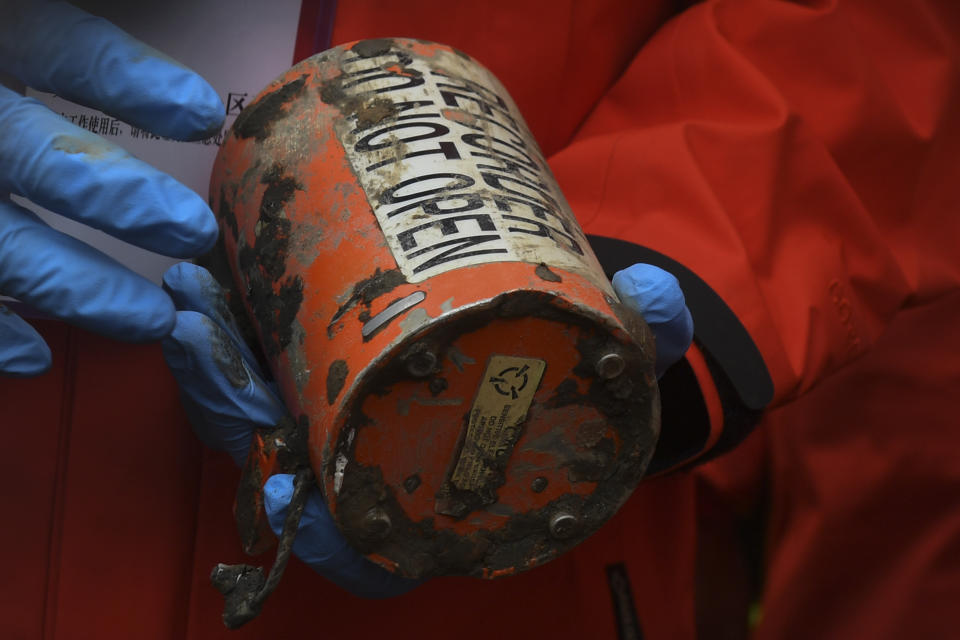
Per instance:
(511,381)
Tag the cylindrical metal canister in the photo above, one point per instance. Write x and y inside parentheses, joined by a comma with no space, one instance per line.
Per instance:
(474,398)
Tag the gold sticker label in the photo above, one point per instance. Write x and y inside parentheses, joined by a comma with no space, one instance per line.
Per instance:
(496,419)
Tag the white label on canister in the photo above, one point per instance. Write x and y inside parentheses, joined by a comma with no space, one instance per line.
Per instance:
(449,167)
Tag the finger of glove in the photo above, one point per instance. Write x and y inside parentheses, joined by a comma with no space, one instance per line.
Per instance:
(225,400)
(656,294)
(192,288)
(82,176)
(23,352)
(322,547)
(67,279)
(52,46)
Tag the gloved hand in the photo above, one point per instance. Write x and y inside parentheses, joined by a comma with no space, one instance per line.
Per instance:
(226,399)
(58,48)
(657,296)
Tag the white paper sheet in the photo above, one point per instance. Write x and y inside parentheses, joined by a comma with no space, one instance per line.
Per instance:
(239,46)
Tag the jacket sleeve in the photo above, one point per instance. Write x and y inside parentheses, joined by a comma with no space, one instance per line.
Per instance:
(789,159)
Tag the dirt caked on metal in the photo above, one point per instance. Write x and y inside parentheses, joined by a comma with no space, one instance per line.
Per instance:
(471,397)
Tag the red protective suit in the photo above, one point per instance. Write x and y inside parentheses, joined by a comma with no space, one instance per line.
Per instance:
(802,160)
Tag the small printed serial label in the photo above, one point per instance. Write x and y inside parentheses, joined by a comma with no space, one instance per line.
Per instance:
(496,419)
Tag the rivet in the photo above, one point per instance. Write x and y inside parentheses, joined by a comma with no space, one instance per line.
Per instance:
(421,363)
(376,524)
(610,366)
(563,525)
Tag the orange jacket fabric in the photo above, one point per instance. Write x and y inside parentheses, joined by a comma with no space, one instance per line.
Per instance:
(801,159)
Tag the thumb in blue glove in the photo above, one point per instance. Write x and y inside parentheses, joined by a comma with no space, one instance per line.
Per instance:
(657,296)
(226,398)
(320,544)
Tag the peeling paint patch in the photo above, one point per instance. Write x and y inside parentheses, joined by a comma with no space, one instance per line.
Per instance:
(275,300)
(544,273)
(365,292)
(336,377)
(372,48)
(339,468)
(256,120)
(414,320)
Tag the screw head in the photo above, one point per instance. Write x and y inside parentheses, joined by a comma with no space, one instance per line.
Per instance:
(376,524)
(421,363)
(563,525)
(610,366)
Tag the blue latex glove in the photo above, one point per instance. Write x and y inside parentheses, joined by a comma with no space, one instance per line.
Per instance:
(58,48)
(656,294)
(226,399)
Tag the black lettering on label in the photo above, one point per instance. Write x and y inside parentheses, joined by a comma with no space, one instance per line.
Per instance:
(503,165)
(450,171)
(452,99)
(413,116)
(500,182)
(431,207)
(465,84)
(403,82)
(488,149)
(372,142)
(451,182)
(395,108)
(448,227)
(393,195)
(390,115)
(378,69)
(400,107)
(455,252)
(561,238)
(515,142)
(375,63)
(489,143)
(471,201)
(539,209)
(489,102)
(447,149)
(362,72)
